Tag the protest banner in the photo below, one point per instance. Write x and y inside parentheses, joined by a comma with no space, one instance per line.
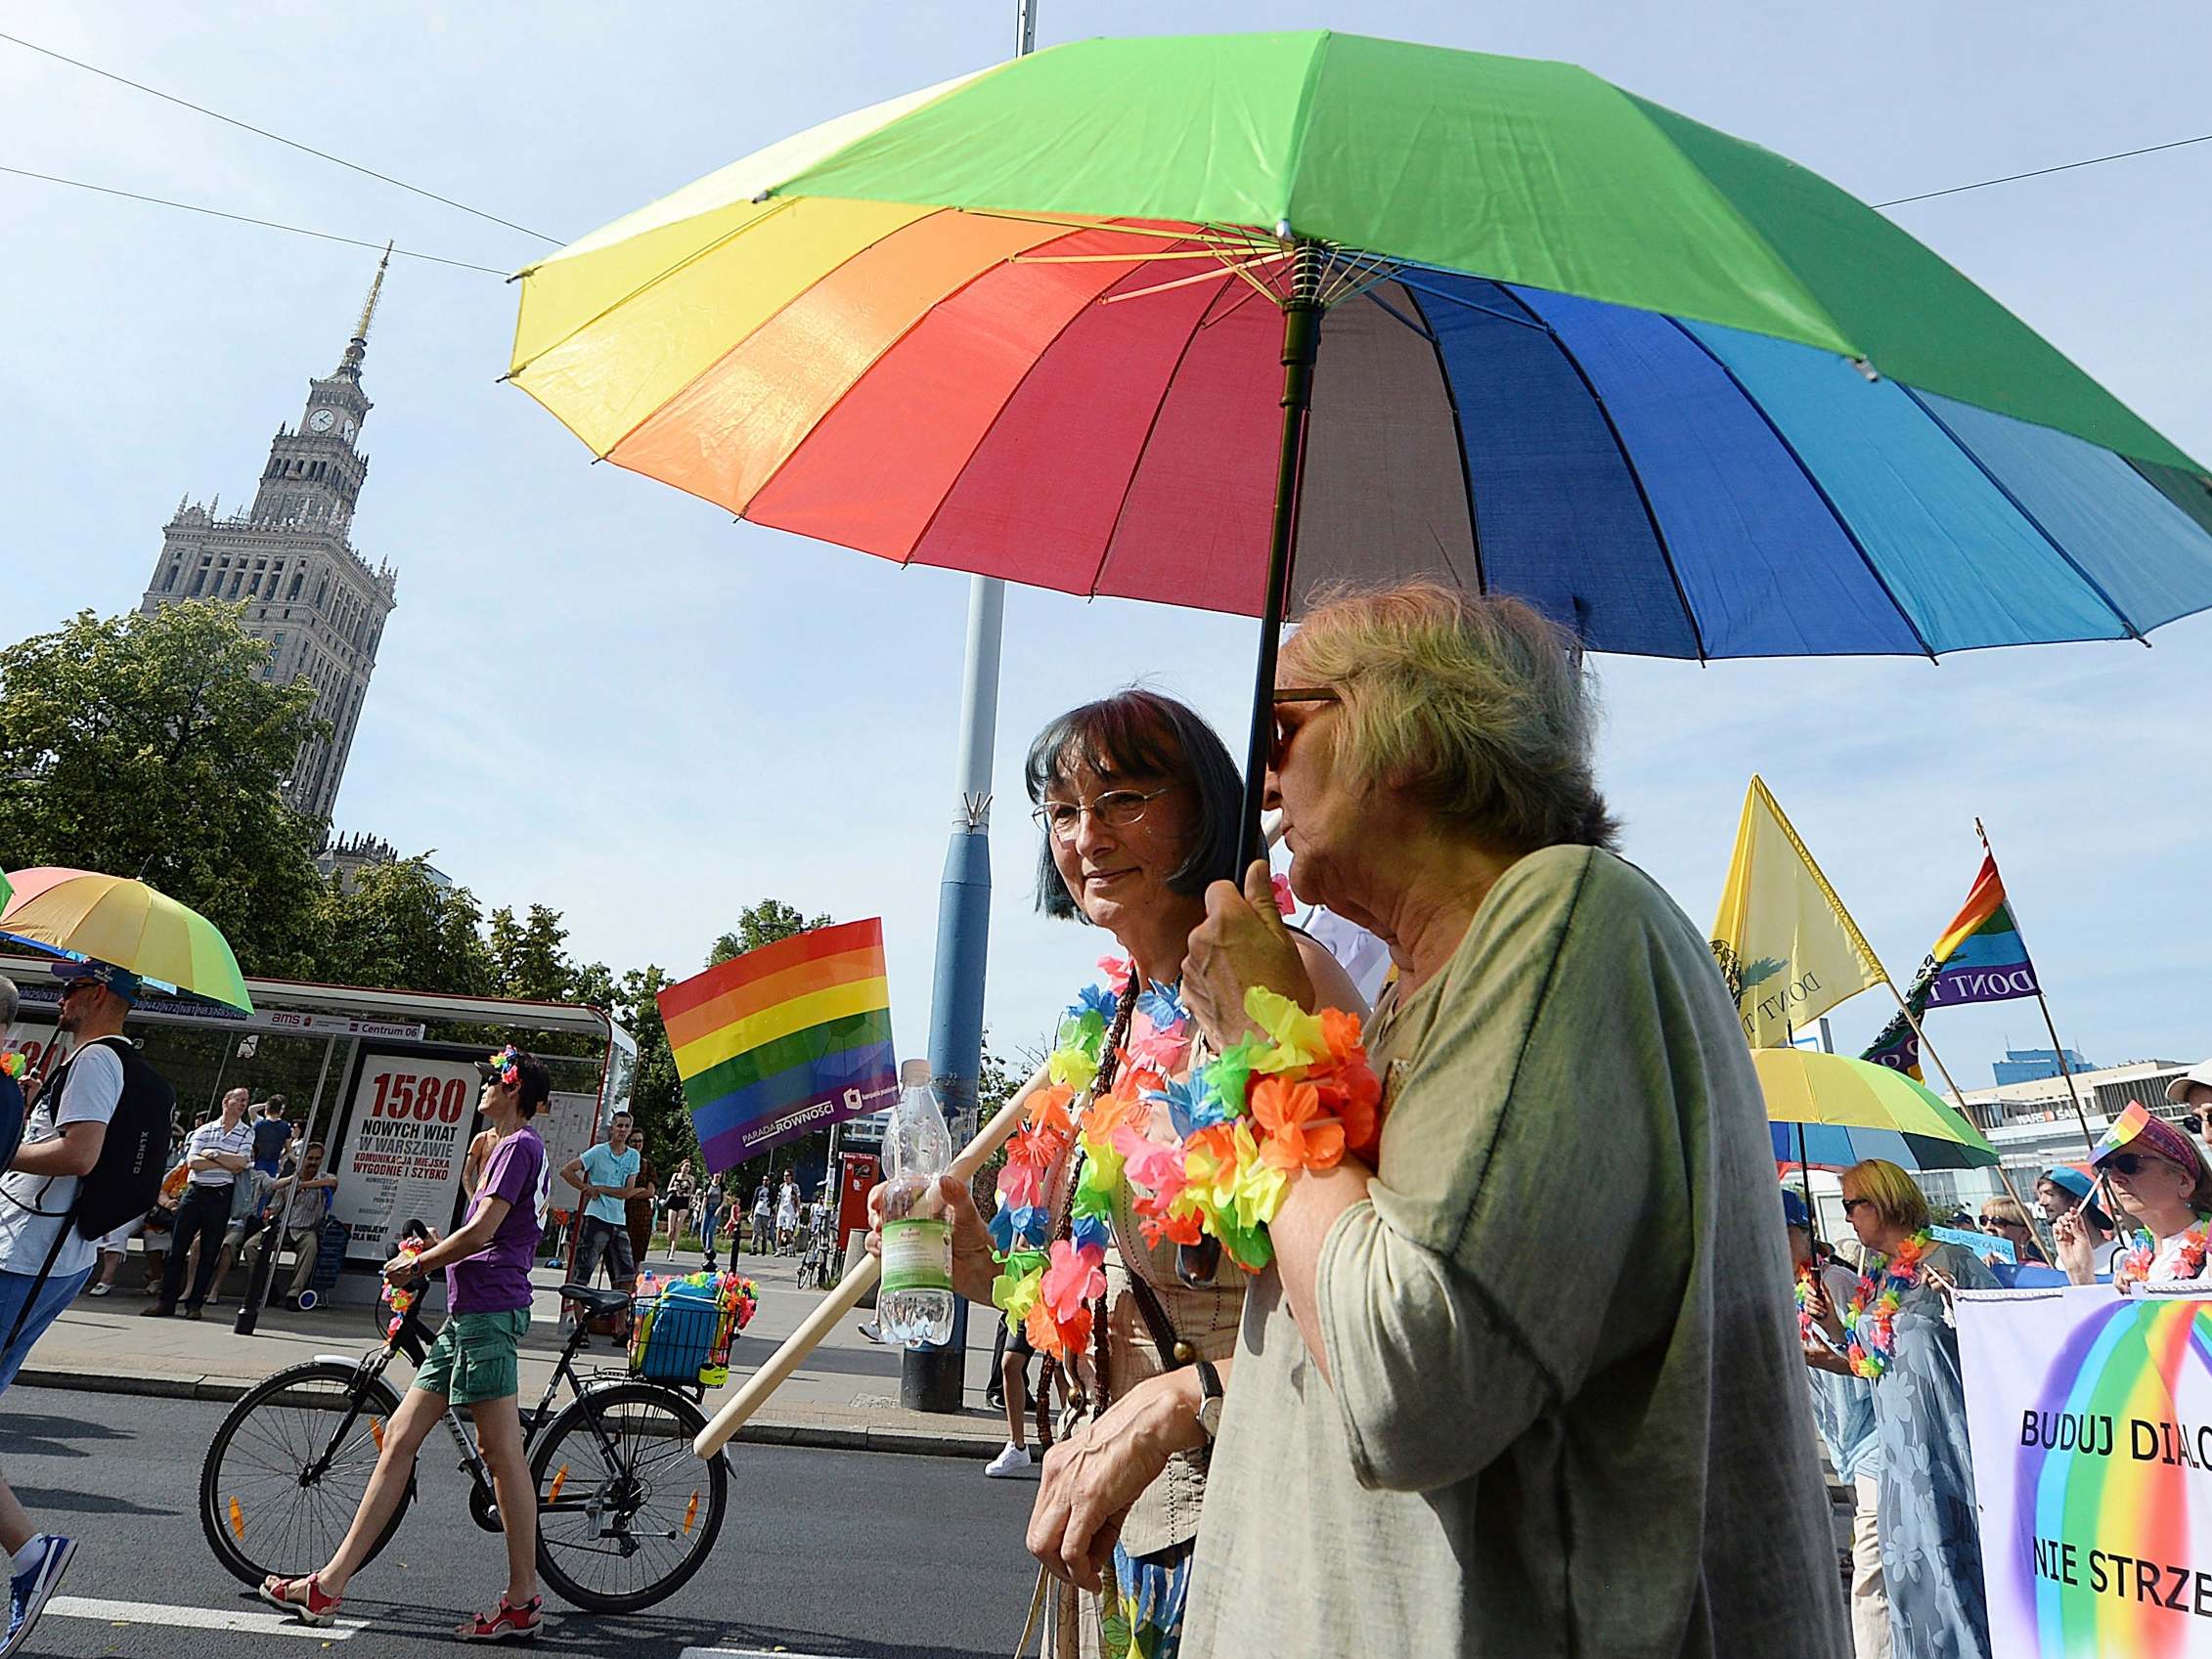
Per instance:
(410,1119)
(2091,1418)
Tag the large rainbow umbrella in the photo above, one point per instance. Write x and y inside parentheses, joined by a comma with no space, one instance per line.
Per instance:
(1131,317)
(1830,1112)
(127,924)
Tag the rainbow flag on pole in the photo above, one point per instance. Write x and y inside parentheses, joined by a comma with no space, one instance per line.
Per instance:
(784,1041)
(1979,958)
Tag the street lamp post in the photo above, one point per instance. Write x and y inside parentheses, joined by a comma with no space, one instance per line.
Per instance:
(932,1378)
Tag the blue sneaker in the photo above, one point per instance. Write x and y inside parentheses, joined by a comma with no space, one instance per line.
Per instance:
(30,1590)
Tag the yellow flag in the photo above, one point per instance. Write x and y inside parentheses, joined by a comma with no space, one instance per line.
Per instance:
(1788,947)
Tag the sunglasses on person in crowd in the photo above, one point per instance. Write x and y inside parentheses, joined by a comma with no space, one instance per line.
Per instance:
(2135,1163)
(1989,1222)
(1279,750)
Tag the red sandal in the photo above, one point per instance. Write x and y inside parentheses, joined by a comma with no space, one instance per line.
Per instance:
(303,1596)
(505,1623)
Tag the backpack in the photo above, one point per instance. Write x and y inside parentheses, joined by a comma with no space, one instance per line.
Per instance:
(12,1115)
(125,1182)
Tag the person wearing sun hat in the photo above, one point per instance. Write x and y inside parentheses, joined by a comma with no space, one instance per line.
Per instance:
(2193,1090)
(2163,1188)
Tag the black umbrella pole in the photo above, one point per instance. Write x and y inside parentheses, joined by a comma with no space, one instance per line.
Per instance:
(1301,335)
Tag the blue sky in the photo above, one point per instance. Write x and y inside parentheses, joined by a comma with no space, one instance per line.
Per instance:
(711,713)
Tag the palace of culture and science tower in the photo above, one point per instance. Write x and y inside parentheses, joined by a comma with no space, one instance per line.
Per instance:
(290,560)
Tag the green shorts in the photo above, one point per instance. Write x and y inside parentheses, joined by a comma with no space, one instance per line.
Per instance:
(473,1356)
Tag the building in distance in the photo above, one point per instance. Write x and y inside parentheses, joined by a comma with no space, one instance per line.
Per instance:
(290,560)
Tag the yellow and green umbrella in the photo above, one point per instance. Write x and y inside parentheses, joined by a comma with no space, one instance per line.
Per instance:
(1830,1112)
(126,924)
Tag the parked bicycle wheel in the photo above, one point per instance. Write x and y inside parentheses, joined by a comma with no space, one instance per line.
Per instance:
(626,1512)
(288,1468)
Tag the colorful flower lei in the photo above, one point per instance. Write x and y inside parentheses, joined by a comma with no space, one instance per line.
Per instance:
(1805,1324)
(1300,1097)
(1871,1320)
(2134,1264)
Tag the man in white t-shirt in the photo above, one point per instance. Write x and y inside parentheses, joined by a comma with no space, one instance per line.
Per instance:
(62,1142)
(216,1154)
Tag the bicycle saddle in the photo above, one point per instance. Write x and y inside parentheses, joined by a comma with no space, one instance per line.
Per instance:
(595,1300)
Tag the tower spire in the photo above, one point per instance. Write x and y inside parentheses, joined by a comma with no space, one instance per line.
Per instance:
(357,347)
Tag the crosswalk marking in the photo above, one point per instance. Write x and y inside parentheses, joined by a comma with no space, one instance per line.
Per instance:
(243,1620)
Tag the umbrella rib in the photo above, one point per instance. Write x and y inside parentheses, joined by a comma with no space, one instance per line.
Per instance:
(1238,270)
(1167,387)
(1459,433)
(2019,506)
(1627,461)
(1462,302)
(1814,484)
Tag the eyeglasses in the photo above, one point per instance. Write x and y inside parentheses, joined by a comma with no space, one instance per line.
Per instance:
(1117,809)
(1280,751)
(2135,1163)
(1991,1221)
(1850,1205)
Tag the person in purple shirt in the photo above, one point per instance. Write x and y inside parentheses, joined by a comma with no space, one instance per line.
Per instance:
(472,1363)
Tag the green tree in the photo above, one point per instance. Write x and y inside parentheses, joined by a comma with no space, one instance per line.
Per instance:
(762,924)
(530,958)
(152,746)
(395,925)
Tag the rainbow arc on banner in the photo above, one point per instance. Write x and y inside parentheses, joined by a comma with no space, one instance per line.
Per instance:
(1979,958)
(784,1041)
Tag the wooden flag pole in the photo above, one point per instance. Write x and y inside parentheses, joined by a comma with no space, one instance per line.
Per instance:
(857,1284)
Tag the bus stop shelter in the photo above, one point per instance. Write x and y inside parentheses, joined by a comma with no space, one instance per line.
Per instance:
(363,1072)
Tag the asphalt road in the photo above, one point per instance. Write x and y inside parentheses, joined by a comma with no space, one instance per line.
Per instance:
(835,1553)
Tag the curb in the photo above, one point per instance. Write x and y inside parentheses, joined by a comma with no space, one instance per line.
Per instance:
(817,1436)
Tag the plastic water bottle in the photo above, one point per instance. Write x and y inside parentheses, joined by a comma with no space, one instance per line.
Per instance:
(914,1304)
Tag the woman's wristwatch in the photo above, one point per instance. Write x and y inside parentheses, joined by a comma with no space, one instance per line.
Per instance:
(1209,1400)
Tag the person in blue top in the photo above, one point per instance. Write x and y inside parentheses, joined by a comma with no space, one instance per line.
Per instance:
(605,1173)
(1844,1413)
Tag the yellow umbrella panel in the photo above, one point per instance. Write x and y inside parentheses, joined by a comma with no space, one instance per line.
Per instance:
(1833,1112)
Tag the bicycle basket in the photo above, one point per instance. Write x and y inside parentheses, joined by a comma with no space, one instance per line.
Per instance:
(676,1337)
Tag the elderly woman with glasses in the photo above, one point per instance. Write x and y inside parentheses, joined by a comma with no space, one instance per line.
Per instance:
(1137,802)
(1526,1383)
(2164,1193)
(1896,1336)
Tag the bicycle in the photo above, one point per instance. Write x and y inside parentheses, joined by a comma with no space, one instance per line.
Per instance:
(619,1490)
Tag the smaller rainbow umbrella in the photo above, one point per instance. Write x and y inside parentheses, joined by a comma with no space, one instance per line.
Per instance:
(124,923)
(1832,1111)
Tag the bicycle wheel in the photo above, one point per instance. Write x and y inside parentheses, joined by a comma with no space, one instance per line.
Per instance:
(626,1513)
(261,1509)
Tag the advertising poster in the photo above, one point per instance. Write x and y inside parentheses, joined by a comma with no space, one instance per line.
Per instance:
(408,1134)
(566,1126)
(2091,1415)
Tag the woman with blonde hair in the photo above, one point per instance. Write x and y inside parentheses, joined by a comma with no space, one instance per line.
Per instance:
(2006,1217)
(1897,1336)
(1440,1399)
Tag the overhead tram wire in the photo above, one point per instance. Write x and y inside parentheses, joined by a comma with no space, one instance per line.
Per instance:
(2046,172)
(247,219)
(279,137)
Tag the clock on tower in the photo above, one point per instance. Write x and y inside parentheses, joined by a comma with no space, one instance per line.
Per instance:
(322,420)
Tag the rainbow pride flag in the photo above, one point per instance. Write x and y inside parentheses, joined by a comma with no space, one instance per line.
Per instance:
(1979,958)
(784,1041)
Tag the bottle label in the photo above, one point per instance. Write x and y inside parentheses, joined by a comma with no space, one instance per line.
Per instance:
(917,1256)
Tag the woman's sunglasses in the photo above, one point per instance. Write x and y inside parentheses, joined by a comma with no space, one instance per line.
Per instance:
(1279,750)
(2135,1163)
